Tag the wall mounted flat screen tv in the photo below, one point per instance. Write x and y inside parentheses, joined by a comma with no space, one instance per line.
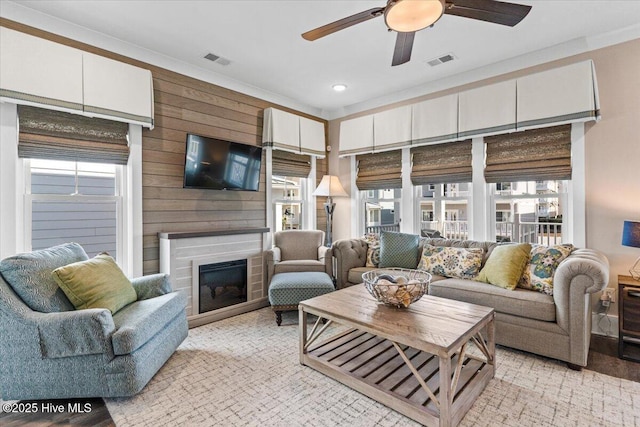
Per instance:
(221,165)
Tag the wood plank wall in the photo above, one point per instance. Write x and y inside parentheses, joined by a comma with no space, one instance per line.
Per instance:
(187,105)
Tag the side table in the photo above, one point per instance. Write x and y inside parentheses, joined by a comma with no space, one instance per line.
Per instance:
(628,318)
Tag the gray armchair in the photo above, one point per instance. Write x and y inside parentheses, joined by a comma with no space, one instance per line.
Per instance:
(298,251)
(49,350)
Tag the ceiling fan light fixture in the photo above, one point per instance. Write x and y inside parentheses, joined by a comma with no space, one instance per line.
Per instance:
(406,16)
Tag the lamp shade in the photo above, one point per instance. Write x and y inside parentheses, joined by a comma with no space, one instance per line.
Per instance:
(631,234)
(330,186)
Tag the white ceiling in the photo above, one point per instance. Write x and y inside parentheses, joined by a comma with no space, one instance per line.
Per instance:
(262,40)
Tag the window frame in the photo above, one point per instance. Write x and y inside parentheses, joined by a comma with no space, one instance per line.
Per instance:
(119,198)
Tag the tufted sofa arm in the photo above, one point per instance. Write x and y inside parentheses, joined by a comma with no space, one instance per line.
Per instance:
(349,253)
(584,272)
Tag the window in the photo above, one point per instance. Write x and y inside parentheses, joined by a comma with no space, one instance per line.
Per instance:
(288,195)
(382,210)
(74,202)
(444,208)
(532,212)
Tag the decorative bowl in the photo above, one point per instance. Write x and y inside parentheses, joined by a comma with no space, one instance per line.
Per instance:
(397,287)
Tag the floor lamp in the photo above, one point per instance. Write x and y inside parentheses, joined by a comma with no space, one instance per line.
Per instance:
(329,187)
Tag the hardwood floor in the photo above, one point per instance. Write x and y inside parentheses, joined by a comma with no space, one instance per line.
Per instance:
(62,412)
(603,358)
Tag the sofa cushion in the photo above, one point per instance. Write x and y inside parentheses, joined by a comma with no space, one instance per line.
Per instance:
(505,266)
(355,274)
(544,261)
(138,322)
(399,250)
(518,302)
(95,283)
(298,265)
(29,275)
(451,262)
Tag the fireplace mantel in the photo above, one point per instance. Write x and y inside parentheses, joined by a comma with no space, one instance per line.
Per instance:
(181,253)
(210,233)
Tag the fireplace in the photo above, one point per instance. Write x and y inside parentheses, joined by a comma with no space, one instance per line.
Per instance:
(222,284)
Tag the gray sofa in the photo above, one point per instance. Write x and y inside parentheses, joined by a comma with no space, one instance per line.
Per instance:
(49,350)
(557,326)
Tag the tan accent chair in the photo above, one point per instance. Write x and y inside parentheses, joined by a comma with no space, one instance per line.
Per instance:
(298,251)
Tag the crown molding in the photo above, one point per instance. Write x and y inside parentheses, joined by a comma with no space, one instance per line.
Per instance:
(33,18)
(27,16)
(551,53)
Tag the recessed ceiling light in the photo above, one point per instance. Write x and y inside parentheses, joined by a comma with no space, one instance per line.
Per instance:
(339,87)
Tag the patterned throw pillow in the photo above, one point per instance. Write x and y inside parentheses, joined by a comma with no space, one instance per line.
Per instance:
(463,263)
(373,250)
(538,275)
(373,256)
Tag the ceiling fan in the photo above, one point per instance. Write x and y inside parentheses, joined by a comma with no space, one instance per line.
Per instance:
(408,16)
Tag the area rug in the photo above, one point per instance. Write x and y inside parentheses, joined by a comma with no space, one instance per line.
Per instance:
(244,371)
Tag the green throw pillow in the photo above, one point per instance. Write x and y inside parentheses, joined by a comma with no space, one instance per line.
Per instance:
(399,250)
(95,283)
(505,265)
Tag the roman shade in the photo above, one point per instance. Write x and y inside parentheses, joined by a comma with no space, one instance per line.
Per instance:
(532,155)
(558,96)
(488,110)
(392,129)
(49,134)
(441,163)
(284,163)
(356,136)
(435,120)
(379,171)
(290,132)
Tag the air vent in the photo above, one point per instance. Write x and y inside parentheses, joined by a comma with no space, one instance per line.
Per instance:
(441,60)
(217,59)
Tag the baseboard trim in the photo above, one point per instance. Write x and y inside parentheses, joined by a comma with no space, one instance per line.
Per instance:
(223,313)
(604,324)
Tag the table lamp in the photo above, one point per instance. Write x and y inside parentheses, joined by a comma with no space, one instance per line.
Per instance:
(631,237)
(329,187)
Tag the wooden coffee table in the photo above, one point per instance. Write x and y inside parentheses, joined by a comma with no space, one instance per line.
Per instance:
(415,360)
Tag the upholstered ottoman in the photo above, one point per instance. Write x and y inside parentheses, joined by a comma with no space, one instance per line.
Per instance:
(286,290)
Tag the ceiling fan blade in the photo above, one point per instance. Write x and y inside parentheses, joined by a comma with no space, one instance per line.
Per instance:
(493,11)
(341,24)
(402,52)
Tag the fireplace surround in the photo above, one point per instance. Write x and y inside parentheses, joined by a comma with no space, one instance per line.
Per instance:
(182,254)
